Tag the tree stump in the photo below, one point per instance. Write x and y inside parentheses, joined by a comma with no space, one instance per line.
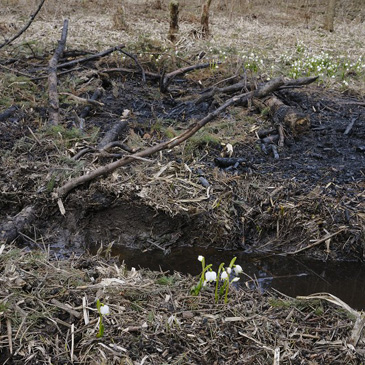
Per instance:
(174,20)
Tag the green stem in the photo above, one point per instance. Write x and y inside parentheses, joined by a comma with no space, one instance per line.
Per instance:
(217,281)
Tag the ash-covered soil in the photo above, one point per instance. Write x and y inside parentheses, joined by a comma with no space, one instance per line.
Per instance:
(313,192)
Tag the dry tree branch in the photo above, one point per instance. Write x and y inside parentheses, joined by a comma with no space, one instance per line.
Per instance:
(134,58)
(166,79)
(91,57)
(262,91)
(26,26)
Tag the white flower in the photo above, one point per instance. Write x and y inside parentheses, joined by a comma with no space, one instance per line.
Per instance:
(104,310)
(229,270)
(238,269)
(200,258)
(224,275)
(235,279)
(210,276)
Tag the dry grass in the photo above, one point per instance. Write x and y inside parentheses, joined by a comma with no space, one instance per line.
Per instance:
(48,315)
(272,37)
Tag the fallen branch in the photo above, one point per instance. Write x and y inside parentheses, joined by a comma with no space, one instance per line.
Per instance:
(26,26)
(8,113)
(10,230)
(80,100)
(299,82)
(262,91)
(350,125)
(152,75)
(166,79)
(91,57)
(220,90)
(114,133)
(52,79)
(110,139)
(137,62)
(96,95)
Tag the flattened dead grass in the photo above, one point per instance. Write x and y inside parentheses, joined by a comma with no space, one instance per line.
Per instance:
(48,315)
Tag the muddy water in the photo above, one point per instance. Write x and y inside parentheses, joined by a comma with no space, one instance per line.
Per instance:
(290,276)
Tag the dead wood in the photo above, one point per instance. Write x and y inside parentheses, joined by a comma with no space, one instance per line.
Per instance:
(174,20)
(113,133)
(91,57)
(80,100)
(119,144)
(299,82)
(8,113)
(52,79)
(274,150)
(167,78)
(151,75)
(273,138)
(204,19)
(228,161)
(208,94)
(266,132)
(262,91)
(10,230)
(350,125)
(243,85)
(110,140)
(96,95)
(283,114)
(58,74)
(26,26)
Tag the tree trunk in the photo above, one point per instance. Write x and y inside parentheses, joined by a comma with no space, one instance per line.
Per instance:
(330,16)
(204,20)
(174,20)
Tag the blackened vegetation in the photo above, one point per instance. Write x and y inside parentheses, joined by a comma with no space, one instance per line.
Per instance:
(285,189)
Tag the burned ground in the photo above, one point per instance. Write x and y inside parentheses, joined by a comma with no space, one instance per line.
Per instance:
(262,203)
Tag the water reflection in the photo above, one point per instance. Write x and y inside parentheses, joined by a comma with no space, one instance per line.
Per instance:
(291,276)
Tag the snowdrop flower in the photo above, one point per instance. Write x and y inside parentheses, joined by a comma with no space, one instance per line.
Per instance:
(200,258)
(235,280)
(237,269)
(229,270)
(210,276)
(224,275)
(104,310)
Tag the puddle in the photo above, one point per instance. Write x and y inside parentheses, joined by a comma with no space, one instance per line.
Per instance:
(290,276)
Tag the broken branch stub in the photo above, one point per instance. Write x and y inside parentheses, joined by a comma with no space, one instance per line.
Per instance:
(52,79)
(174,20)
(242,99)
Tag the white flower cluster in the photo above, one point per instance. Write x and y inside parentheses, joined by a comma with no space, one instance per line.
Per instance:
(304,63)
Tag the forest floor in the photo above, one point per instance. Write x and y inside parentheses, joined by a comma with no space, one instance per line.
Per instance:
(309,199)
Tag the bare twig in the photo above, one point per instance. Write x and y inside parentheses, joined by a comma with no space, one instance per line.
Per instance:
(349,126)
(137,62)
(26,26)
(80,100)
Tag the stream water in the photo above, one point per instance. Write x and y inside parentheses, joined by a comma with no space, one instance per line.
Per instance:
(289,275)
